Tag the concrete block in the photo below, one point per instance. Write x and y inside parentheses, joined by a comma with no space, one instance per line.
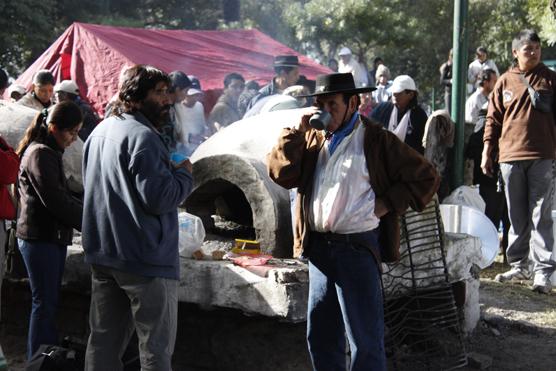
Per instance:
(282,294)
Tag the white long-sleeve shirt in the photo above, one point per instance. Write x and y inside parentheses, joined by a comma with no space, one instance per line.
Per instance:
(359,74)
(474,71)
(473,106)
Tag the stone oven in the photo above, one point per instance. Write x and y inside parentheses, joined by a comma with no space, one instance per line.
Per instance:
(233,194)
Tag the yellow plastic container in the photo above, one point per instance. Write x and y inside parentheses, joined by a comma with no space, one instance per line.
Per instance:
(248,247)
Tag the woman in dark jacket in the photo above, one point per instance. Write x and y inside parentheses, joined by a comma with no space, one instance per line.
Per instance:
(403,116)
(48,214)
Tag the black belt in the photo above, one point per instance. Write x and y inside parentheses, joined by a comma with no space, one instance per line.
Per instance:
(367,240)
(345,238)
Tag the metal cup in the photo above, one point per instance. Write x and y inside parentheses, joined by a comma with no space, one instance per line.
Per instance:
(320,120)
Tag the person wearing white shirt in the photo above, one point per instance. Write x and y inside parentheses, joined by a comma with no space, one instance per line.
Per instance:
(382,93)
(476,101)
(477,66)
(191,125)
(348,64)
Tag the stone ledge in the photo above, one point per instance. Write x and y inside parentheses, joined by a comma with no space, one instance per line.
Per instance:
(283,292)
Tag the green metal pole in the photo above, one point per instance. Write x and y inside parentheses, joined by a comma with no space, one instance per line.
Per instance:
(459,79)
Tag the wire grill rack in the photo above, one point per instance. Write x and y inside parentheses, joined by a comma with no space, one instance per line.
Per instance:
(422,321)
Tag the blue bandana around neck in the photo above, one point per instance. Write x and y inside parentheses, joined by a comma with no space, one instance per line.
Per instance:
(341,133)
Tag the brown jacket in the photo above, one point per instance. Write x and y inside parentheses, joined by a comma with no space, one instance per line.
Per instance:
(48,212)
(399,176)
(521,132)
(224,112)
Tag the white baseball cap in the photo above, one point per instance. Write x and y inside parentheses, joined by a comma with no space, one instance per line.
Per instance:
(401,83)
(193,91)
(16,88)
(344,51)
(67,86)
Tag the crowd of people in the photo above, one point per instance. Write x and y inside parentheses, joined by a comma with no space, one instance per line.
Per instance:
(364,170)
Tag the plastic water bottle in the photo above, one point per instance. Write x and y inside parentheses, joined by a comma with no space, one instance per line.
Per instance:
(177,157)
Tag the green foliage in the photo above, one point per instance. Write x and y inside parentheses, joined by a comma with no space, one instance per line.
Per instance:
(268,17)
(496,22)
(26,27)
(179,14)
(413,37)
(543,19)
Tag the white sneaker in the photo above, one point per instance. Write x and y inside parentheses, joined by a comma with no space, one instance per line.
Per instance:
(514,274)
(541,284)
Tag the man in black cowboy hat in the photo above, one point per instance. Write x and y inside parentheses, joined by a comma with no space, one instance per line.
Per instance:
(353,181)
(286,68)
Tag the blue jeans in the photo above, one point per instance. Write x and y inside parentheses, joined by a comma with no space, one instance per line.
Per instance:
(344,298)
(45,264)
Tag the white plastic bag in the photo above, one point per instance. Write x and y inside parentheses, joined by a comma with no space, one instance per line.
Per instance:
(191,234)
(466,196)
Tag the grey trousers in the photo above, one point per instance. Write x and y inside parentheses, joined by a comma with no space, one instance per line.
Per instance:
(529,187)
(123,302)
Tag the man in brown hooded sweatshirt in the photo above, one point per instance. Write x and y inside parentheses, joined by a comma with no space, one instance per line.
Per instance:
(520,121)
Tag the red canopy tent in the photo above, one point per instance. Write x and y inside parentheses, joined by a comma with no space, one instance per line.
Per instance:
(94,55)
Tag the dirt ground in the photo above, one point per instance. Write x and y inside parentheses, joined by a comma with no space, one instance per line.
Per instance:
(517,330)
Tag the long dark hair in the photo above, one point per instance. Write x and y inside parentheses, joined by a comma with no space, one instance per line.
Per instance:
(65,115)
(137,82)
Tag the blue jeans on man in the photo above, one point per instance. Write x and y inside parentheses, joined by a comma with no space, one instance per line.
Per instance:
(45,264)
(345,298)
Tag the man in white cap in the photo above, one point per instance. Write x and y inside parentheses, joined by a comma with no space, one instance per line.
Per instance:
(402,115)
(67,90)
(348,64)
(192,126)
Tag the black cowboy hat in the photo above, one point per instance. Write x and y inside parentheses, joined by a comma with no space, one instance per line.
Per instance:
(286,61)
(336,83)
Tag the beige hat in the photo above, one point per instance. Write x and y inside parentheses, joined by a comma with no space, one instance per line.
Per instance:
(382,70)
(67,86)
